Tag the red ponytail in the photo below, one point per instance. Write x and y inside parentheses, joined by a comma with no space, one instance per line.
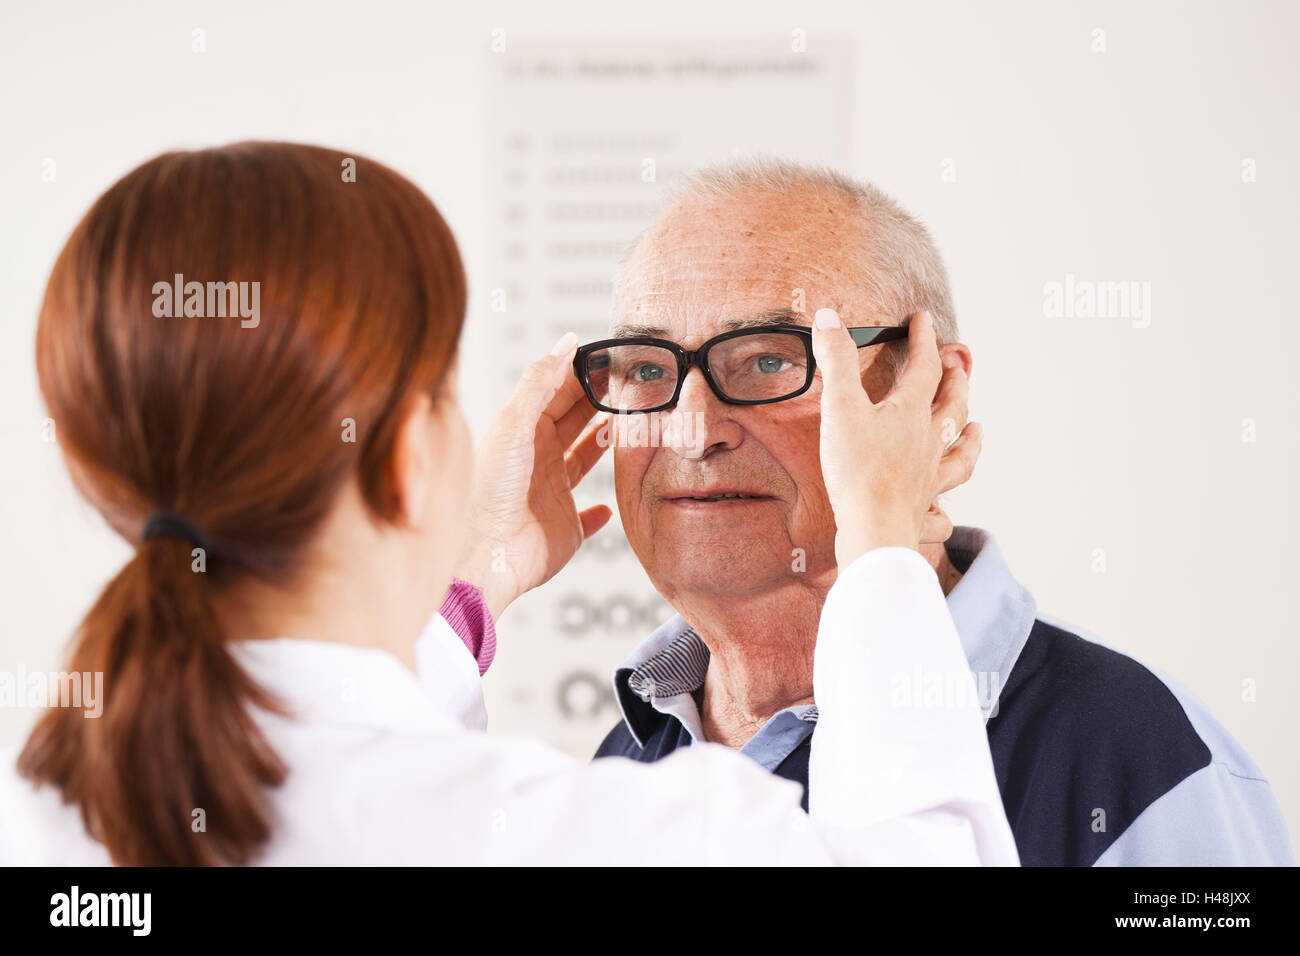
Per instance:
(238,425)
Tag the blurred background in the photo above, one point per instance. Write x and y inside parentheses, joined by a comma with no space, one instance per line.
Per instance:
(1139,464)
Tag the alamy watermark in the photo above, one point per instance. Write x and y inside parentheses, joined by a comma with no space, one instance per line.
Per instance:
(81,689)
(1093,299)
(670,429)
(209,300)
(131,911)
(920,689)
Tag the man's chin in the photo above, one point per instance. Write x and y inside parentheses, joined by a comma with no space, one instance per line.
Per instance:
(720,549)
(720,571)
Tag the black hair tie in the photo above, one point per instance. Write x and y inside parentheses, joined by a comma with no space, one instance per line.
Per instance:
(168,524)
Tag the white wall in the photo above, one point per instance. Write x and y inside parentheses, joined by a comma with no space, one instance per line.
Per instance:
(1101,433)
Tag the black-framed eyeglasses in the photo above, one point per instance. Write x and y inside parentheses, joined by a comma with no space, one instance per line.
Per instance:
(746,367)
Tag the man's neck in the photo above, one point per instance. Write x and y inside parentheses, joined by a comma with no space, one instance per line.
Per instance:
(761,652)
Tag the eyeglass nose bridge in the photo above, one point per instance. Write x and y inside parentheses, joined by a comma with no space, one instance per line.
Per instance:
(688,359)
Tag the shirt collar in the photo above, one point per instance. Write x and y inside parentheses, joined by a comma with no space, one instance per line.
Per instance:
(323,682)
(659,677)
(992,612)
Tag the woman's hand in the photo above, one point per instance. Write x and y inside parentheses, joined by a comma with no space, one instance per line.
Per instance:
(885,464)
(523,524)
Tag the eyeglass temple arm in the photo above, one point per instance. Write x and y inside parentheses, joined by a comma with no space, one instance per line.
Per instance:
(873,335)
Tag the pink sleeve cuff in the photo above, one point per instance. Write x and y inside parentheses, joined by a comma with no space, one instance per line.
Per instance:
(468,614)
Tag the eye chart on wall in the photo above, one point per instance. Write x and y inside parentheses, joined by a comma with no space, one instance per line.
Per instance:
(584,137)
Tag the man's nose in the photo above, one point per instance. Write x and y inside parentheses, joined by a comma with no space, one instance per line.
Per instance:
(706,421)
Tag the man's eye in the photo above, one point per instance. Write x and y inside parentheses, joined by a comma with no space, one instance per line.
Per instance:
(648,373)
(770,363)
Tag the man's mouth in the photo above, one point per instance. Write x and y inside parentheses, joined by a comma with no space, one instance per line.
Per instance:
(710,496)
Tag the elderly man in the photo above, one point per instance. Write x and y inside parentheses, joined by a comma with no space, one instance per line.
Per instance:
(1099,760)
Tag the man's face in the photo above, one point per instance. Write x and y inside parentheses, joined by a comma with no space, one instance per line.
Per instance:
(702,266)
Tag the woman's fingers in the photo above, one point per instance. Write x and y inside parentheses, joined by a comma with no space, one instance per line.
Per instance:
(955,468)
(846,413)
(921,374)
(542,382)
(837,357)
(568,406)
(936,526)
(570,394)
(951,403)
(593,519)
(583,456)
(572,418)
(881,462)
(527,465)
(958,462)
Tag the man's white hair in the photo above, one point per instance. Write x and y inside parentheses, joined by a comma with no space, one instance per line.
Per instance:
(904,272)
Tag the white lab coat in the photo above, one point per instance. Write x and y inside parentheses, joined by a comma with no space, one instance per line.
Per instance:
(387,767)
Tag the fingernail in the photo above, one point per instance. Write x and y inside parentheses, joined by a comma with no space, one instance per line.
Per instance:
(951,361)
(567,341)
(826,319)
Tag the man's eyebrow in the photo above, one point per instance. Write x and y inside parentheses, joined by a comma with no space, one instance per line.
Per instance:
(638,331)
(763,320)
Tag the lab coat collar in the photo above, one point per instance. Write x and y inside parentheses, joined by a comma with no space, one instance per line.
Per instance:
(345,684)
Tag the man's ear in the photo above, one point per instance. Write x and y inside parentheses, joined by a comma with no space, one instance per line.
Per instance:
(414,462)
(956,352)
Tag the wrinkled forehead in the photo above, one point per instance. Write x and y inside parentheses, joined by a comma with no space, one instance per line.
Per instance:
(707,264)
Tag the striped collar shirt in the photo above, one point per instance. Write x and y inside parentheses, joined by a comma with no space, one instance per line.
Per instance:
(668,679)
